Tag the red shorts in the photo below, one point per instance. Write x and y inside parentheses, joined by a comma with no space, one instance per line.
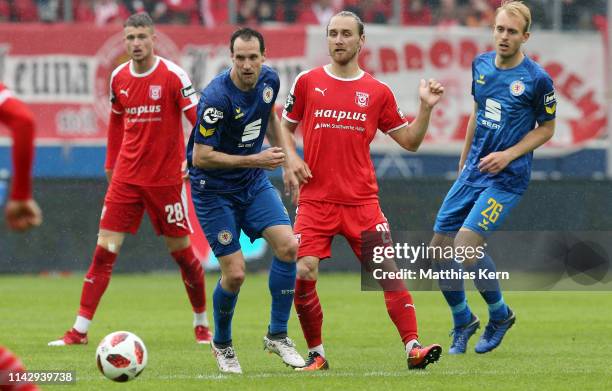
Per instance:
(317,222)
(124,206)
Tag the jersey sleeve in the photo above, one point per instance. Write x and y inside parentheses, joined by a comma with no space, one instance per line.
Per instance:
(185,93)
(212,111)
(545,100)
(116,107)
(391,117)
(473,91)
(296,100)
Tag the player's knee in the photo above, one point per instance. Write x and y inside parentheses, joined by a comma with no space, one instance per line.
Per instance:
(234,279)
(176,243)
(307,270)
(110,242)
(288,250)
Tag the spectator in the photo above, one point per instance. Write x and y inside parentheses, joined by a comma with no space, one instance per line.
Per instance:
(416,13)
(24,11)
(247,12)
(213,12)
(478,13)
(47,10)
(376,11)
(109,12)
(446,14)
(266,11)
(181,11)
(319,12)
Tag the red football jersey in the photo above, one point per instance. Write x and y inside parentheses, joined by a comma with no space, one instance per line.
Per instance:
(153,146)
(339,121)
(5,93)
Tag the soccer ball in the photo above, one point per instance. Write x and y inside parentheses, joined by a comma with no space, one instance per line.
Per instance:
(121,356)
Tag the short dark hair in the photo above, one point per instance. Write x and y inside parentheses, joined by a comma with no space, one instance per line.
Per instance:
(350,14)
(141,19)
(246,33)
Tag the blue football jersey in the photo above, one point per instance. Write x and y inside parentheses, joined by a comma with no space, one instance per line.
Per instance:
(509,103)
(233,122)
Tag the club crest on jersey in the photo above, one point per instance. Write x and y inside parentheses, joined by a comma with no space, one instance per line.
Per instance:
(362,99)
(224,237)
(517,88)
(268,94)
(155,92)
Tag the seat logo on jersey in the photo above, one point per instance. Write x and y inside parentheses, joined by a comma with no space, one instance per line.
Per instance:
(362,98)
(517,88)
(550,103)
(224,237)
(212,115)
(251,131)
(155,92)
(268,94)
(493,110)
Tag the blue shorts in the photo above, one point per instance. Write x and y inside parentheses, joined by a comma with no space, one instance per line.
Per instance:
(481,209)
(223,215)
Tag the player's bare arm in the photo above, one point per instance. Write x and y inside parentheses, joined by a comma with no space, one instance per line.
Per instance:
(192,116)
(295,169)
(205,157)
(411,136)
(469,136)
(273,131)
(495,162)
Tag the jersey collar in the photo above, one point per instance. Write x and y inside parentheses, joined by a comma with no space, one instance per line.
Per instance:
(147,73)
(359,76)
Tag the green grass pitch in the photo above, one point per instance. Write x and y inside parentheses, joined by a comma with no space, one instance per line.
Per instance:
(561,339)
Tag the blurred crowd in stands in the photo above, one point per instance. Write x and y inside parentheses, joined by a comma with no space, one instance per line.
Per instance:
(575,14)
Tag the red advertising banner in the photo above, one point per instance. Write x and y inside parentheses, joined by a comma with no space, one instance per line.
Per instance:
(62,71)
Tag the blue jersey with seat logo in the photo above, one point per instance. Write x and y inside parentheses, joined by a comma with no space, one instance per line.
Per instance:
(234,122)
(509,104)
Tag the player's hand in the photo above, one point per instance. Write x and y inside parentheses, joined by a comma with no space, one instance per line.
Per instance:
(494,162)
(184,170)
(22,215)
(430,92)
(109,174)
(270,158)
(295,173)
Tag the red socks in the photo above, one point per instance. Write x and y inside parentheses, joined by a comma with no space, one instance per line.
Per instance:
(309,311)
(401,310)
(96,281)
(193,277)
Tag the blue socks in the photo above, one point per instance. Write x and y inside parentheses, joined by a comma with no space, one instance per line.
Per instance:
(281,282)
(454,292)
(224,303)
(489,289)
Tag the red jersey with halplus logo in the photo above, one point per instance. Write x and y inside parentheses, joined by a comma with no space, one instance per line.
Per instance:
(339,120)
(151,103)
